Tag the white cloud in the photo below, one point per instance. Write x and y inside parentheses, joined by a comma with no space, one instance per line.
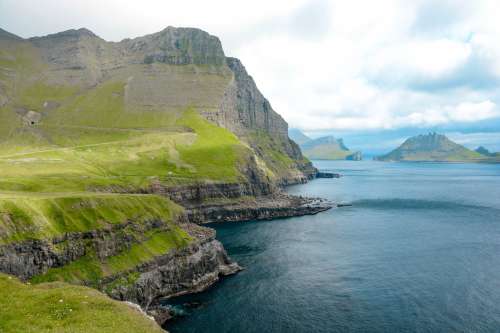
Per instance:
(473,140)
(467,112)
(418,60)
(323,64)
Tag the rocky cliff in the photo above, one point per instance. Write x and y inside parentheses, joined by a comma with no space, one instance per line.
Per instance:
(100,144)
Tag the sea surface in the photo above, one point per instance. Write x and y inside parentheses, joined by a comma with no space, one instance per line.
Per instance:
(418,251)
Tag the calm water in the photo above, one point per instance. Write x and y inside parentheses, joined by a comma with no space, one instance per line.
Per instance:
(419,251)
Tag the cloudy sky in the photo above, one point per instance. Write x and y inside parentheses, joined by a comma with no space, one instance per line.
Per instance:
(373,72)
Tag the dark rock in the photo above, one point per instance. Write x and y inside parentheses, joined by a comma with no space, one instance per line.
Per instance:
(321,174)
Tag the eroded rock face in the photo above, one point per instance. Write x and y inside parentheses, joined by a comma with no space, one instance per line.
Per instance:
(34,257)
(175,46)
(253,110)
(261,208)
(189,269)
(202,192)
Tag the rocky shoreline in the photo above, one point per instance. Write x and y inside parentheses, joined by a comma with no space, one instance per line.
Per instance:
(267,207)
(202,207)
(190,269)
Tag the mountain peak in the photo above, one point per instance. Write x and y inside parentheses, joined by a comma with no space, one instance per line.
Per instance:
(71,33)
(178,46)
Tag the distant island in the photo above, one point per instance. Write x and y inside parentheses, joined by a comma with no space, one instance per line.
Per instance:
(434,147)
(323,148)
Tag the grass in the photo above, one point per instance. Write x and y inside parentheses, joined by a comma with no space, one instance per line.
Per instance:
(158,243)
(92,142)
(216,152)
(276,163)
(59,307)
(39,216)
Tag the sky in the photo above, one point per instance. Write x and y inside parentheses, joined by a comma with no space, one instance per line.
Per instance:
(373,72)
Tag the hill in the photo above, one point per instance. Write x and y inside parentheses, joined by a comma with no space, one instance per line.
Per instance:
(323,148)
(432,147)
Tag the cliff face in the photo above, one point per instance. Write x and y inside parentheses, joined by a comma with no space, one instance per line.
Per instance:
(99,139)
(90,258)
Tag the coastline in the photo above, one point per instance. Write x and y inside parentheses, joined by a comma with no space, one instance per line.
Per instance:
(243,209)
(185,269)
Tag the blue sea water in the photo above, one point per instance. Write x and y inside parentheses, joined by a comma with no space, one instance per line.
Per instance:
(419,251)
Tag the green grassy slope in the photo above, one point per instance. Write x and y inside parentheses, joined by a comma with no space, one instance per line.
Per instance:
(58,307)
(42,216)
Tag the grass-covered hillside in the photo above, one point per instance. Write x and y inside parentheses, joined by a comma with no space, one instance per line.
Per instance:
(59,307)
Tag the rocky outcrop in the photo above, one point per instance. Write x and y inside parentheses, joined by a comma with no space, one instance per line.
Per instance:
(323,174)
(35,257)
(255,209)
(202,192)
(189,270)
(253,109)
(175,46)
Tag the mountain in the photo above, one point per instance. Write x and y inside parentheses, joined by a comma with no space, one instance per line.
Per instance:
(483,151)
(298,136)
(432,147)
(324,148)
(113,153)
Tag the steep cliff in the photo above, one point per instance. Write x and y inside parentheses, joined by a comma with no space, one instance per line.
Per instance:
(100,140)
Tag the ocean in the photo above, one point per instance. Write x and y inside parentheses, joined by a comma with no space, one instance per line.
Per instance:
(418,251)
